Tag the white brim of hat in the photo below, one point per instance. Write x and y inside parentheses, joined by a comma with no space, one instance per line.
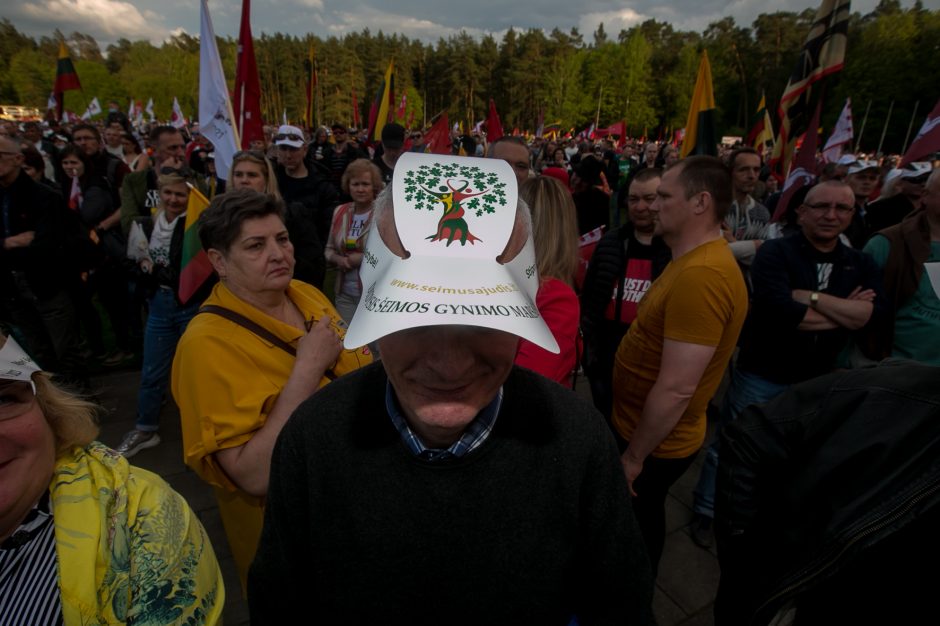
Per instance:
(288,142)
(399,294)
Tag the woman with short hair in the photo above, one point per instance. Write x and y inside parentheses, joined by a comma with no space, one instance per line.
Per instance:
(362,181)
(262,344)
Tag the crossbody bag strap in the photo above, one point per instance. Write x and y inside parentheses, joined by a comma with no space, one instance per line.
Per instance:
(243,321)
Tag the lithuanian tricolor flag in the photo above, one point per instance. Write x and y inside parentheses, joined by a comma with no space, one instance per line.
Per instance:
(700,134)
(195,268)
(65,76)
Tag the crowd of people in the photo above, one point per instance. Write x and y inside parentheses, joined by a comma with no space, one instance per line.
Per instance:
(364,416)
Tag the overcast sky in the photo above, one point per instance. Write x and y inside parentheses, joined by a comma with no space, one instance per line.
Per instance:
(109,20)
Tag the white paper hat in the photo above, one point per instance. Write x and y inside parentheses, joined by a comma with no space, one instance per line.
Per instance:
(861,165)
(15,364)
(454,216)
(916,169)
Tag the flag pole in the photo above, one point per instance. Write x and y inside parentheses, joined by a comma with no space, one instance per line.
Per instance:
(884,131)
(909,127)
(597,117)
(858,143)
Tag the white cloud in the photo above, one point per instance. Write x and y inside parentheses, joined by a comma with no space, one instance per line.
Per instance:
(614,21)
(377,19)
(104,19)
(313,4)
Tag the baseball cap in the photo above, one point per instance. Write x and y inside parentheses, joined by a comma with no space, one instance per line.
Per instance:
(450,275)
(861,165)
(846,159)
(15,364)
(288,135)
(916,170)
(393,135)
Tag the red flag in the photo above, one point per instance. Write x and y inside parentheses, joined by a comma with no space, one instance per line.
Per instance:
(927,140)
(804,165)
(355,105)
(438,138)
(247,100)
(494,129)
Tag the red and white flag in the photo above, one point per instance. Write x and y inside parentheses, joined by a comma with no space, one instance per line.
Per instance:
(75,195)
(927,140)
(803,172)
(177,120)
(400,114)
(841,136)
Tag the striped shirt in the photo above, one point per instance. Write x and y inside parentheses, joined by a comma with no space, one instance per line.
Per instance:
(473,436)
(29,585)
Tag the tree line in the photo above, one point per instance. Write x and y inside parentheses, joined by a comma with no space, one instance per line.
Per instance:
(644,74)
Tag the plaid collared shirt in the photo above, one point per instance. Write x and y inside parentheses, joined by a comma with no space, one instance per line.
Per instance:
(474,435)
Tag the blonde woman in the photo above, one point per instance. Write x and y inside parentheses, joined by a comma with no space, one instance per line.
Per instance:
(85,537)
(362,181)
(555,234)
(252,170)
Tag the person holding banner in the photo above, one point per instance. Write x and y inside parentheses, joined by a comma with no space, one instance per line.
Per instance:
(159,273)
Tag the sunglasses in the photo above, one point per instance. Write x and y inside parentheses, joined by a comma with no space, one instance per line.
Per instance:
(288,137)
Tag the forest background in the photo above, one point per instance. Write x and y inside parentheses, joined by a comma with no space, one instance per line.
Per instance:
(643,75)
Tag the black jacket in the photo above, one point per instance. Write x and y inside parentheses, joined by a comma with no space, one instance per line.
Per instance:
(608,264)
(772,345)
(169,275)
(814,480)
(46,261)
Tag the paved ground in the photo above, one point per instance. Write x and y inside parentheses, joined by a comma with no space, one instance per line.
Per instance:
(688,575)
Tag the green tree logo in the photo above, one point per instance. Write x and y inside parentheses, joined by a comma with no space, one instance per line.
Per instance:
(460,189)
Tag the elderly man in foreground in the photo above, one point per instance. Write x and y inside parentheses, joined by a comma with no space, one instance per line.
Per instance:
(444,483)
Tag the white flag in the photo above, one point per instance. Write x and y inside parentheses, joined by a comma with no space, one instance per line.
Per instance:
(841,135)
(94,108)
(215,109)
(52,103)
(177,120)
(131,111)
(149,110)
(284,117)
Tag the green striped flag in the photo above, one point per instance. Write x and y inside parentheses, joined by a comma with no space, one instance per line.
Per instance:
(195,268)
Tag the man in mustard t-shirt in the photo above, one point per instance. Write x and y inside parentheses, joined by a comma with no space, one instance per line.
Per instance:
(672,360)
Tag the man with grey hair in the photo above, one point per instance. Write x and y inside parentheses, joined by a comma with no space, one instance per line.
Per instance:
(443,473)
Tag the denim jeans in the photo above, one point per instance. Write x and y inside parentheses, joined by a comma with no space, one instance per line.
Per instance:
(745,389)
(165,325)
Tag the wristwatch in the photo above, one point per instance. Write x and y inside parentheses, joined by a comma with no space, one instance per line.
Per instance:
(814,299)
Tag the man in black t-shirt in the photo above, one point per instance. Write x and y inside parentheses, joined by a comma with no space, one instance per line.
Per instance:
(623,266)
(810,292)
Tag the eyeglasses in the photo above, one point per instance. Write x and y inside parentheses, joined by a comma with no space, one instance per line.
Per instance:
(288,137)
(417,136)
(16,397)
(825,207)
(339,131)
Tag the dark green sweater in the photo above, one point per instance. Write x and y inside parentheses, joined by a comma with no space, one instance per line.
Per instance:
(532,527)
